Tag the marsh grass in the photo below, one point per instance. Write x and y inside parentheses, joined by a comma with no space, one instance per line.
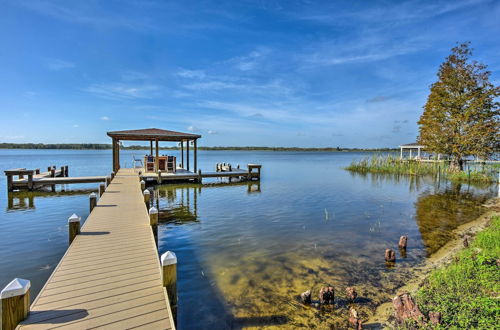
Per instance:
(393,165)
(466,292)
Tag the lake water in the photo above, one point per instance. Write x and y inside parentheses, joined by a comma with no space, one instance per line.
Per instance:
(246,250)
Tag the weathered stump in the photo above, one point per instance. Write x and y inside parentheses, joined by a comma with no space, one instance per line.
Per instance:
(354,319)
(305,297)
(405,308)
(390,255)
(403,240)
(326,295)
(435,317)
(351,293)
(466,241)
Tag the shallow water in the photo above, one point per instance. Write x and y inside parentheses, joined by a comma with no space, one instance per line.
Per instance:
(245,251)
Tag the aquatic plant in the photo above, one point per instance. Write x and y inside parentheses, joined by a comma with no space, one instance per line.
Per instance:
(392,165)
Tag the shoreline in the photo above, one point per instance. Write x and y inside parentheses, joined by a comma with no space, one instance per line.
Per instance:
(442,257)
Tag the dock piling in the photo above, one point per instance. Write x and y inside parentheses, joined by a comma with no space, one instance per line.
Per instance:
(73,227)
(37,171)
(108,180)
(169,274)
(147,198)
(153,221)
(30,181)
(159,176)
(143,185)
(15,299)
(102,187)
(53,172)
(66,170)
(199,176)
(62,171)
(112,175)
(92,200)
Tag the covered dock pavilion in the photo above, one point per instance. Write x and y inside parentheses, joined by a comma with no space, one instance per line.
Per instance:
(411,146)
(155,135)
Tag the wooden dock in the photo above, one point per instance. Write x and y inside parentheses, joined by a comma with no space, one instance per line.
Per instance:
(110,276)
(33,179)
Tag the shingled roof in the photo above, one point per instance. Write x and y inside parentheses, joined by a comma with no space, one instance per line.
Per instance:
(152,134)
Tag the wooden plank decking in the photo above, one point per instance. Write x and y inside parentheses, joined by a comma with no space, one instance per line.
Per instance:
(110,276)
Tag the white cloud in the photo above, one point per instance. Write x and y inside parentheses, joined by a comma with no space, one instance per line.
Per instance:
(210,131)
(58,64)
(105,118)
(193,74)
(123,91)
(76,125)
(192,128)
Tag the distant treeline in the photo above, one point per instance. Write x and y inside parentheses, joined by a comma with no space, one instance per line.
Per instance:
(103,146)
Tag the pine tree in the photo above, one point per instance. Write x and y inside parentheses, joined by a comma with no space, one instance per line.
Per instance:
(461,116)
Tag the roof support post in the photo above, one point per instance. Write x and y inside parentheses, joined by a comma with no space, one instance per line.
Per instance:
(151,148)
(187,154)
(182,153)
(115,167)
(401,153)
(195,156)
(157,159)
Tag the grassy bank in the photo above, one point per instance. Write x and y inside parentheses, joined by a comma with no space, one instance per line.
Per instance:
(393,165)
(466,291)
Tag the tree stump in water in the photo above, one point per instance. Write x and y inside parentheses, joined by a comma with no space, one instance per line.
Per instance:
(354,319)
(326,295)
(405,308)
(435,317)
(351,293)
(390,255)
(305,297)
(403,240)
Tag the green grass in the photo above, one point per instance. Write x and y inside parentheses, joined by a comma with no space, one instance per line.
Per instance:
(467,291)
(393,165)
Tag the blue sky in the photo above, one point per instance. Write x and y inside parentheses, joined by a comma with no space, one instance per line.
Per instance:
(275,73)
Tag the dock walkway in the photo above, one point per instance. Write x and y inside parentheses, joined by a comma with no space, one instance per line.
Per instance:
(110,276)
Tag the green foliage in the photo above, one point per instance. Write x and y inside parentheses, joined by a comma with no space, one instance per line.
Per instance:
(461,116)
(393,165)
(466,292)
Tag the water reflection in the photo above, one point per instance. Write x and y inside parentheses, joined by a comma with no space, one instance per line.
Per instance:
(25,200)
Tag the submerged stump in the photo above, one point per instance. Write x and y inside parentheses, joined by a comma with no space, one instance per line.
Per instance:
(354,319)
(390,255)
(351,293)
(326,295)
(403,240)
(305,297)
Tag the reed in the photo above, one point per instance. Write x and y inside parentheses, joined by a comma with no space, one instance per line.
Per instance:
(392,165)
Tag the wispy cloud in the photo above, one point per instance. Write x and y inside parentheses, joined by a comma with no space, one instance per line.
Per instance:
(123,91)
(105,118)
(58,64)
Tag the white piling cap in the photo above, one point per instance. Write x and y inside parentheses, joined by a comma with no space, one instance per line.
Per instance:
(74,218)
(17,287)
(168,258)
(93,195)
(142,181)
(146,192)
(153,210)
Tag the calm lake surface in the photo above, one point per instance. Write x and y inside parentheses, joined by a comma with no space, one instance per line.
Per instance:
(245,251)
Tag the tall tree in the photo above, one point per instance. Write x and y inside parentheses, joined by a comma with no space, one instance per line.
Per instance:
(461,116)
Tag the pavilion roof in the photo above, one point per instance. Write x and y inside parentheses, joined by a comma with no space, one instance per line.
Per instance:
(412,145)
(152,134)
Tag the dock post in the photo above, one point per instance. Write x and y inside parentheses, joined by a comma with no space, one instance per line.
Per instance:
(153,221)
(102,187)
(30,181)
(73,227)
(159,176)
(49,168)
(112,175)
(147,196)
(62,171)
(169,274)
(37,171)
(66,170)
(92,200)
(199,176)
(52,172)
(143,185)
(10,184)
(108,180)
(15,299)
